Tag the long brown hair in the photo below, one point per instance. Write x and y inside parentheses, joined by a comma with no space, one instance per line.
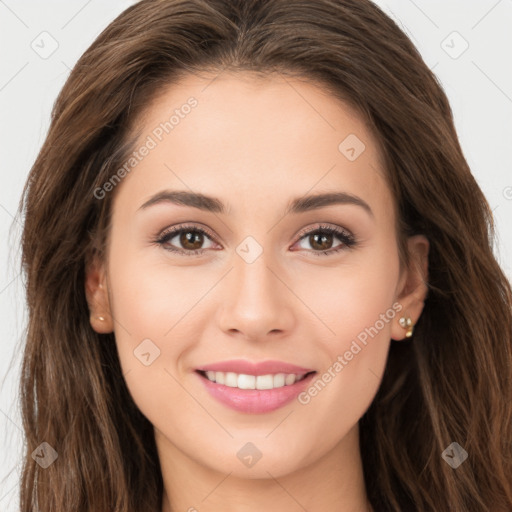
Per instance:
(451,383)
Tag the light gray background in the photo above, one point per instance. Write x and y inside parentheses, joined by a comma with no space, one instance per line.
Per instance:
(477,81)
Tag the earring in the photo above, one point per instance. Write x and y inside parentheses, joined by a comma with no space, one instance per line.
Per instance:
(406,323)
(101,318)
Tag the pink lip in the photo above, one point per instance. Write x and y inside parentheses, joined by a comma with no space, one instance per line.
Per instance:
(249,368)
(255,400)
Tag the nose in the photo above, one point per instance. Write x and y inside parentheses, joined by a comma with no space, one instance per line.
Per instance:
(257,300)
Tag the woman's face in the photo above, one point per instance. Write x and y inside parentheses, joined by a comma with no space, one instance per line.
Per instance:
(255,276)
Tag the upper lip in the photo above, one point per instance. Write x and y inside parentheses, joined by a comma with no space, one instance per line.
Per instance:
(242,366)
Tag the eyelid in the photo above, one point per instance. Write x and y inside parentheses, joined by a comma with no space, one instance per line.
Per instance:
(320,226)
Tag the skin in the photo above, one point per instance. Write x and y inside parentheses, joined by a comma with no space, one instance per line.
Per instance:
(255,145)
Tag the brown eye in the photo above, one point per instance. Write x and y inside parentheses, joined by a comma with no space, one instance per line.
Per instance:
(191,239)
(322,240)
(185,240)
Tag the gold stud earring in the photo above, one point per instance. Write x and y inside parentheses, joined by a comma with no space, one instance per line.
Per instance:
(406,323)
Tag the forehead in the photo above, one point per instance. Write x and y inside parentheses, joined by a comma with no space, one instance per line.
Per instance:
(263,140)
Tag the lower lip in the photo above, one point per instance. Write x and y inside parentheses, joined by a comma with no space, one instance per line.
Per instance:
(255,401)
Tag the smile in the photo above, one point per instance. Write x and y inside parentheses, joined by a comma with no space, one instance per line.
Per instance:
(254,388)
(244,381)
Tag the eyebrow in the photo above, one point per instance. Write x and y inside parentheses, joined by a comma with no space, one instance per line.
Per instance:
(214,205)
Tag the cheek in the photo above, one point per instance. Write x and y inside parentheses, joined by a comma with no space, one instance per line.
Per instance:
(153,306)
(354,296)
(151,303)
(357,307)
(151,298)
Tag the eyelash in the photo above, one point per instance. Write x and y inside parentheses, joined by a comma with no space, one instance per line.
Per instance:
(347,239)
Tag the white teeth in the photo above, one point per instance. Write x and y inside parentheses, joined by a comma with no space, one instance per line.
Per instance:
(231,380)
(280,380)
(265,381)
(290,379)
(244,381)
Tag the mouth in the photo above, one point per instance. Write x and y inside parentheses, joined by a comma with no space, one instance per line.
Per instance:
(258,390)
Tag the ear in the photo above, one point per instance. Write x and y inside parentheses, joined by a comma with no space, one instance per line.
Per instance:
(96,291)
(412,287)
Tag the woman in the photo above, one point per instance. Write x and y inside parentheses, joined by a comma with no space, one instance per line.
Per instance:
(260,274)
